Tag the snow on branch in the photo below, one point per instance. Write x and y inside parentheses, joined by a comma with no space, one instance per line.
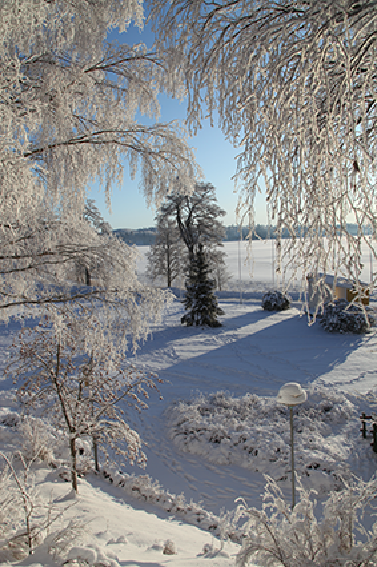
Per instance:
(294,86)
(70,102)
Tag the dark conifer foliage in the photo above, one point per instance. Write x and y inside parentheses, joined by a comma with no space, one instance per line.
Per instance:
(200,301)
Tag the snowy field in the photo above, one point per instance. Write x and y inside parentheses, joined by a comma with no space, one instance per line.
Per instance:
(219,428)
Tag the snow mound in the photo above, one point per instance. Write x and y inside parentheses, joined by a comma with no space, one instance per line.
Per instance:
(92,556)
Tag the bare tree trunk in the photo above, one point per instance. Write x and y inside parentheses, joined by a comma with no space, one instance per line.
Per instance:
(95,451)
(168,261)
(74,463)
(66,418)
(29,536)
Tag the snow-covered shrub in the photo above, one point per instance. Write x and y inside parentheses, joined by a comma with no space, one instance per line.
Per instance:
(37,440)
(10,514)
(169,548)
(333,534)
(82,554)
(210,552)
(157,545)
(343,317)
(253,432)
(91,556)
(59,542)
(10,420)
(26,519)
(21,515)
(275,301)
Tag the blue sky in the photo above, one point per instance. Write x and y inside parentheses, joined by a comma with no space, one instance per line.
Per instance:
(215,155)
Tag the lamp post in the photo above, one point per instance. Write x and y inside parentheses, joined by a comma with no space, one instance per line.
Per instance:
(291,394)
(239,262)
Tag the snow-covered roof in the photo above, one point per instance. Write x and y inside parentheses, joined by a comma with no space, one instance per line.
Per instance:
(340,281)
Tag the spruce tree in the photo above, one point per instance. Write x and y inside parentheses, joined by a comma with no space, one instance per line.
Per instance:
(200,301)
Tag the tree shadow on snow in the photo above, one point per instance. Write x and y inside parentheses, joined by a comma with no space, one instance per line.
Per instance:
(255,352)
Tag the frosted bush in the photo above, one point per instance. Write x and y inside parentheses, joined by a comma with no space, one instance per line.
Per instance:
(145,488)
(91,556)
(342,317)
(10,420)
(59,543)
(83,553)
(169,548)
(275,301)
(253,432)
(334,533)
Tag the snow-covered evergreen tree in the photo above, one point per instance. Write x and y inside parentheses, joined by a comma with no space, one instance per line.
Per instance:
(200,301)
(196,217)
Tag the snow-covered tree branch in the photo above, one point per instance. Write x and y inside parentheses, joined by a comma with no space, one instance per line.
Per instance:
(294,86)
(277,535)
(196,216)
(69,102)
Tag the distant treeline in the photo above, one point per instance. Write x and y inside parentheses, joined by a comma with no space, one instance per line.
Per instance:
(138,236)
(147,236)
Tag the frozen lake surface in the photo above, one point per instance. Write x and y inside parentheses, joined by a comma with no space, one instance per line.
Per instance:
(257,270)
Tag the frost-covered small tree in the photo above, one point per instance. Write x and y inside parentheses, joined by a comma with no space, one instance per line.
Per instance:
(336,535)
(167,257)
(64,372)
(216,261)
(19,503)
(293,83)
(23,514)
(26,519)
(200,301)
(10,508)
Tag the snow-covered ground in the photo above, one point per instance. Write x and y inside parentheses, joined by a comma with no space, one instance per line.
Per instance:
(218,428)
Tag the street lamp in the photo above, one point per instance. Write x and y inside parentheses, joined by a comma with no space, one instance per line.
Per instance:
(291,394)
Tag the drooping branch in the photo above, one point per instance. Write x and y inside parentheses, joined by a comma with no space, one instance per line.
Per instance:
(294,86)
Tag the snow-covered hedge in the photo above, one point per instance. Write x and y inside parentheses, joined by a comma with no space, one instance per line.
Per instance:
(342,317)
(253,432)
(275,301)
(144,488)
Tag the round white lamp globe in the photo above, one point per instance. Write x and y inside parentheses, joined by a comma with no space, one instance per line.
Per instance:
(291,394)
